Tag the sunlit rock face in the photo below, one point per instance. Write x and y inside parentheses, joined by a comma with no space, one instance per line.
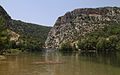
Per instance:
(79,22)
(14,36)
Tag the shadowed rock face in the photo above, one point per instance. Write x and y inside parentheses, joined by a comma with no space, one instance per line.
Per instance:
(78,22)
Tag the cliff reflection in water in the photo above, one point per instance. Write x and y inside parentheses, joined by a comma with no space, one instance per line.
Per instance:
(74,64)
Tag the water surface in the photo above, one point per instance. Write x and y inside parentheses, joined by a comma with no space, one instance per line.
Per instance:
(73,64)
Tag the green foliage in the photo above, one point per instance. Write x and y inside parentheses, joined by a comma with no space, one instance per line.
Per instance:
(66,47)
(87,43)
(4,37)
(106,39)
(102,40)
(12,52)
(29,31)
(32,36)
(81,44)
(118,46)
(2,23)
(103,44)
(30,46)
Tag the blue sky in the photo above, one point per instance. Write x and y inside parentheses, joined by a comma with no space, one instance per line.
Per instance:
(45,12)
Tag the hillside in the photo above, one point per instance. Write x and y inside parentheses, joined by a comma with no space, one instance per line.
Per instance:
(17,35)
(30,31)
(79,23)
(5,33)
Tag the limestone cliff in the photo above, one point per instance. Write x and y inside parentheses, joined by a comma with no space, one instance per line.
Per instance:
(79,22)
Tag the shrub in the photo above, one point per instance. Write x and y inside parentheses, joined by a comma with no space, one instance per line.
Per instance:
(66,47)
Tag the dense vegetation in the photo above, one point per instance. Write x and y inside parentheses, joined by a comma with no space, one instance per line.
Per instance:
(66,47)
(106,39)
(32,36)
(30,31)
(4,36)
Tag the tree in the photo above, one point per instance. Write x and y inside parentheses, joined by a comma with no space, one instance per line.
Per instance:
(103,44)
(4,37)
(118,46)
(66,47)
(88,43)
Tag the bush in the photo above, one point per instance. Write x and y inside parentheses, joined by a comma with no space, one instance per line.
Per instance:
(12,52)
(66,47)
(118,46)
(103,44)
(88,43)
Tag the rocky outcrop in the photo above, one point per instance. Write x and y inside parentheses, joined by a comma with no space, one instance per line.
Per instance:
(14,36)
(79,22)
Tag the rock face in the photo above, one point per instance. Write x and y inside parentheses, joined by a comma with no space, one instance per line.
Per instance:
(79,22)
(14,36)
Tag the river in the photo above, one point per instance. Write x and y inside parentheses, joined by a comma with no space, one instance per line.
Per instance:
(72,64)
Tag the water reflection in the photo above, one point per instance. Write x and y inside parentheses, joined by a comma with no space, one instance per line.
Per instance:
(52,56)
(111,58)
(74,64)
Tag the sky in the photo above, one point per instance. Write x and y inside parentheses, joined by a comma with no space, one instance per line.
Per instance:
(46,12)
